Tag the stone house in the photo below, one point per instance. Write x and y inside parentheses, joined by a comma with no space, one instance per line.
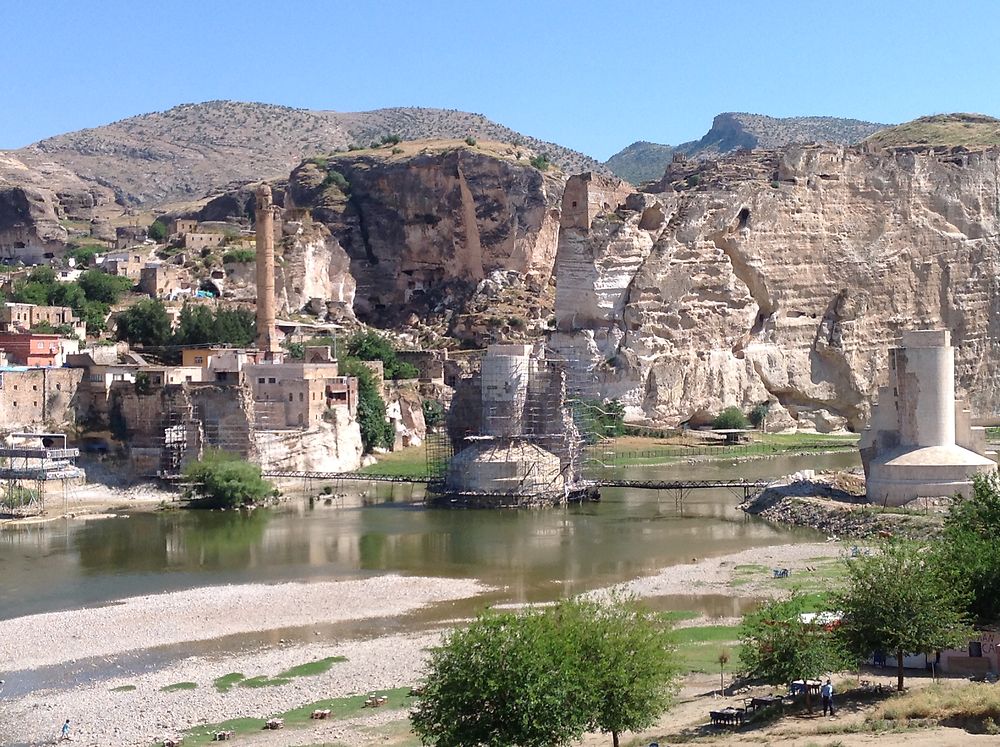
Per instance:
(196,241)
(297,395)
(129,236)
(157,279)
(23,317)
(160,376)
(126,264)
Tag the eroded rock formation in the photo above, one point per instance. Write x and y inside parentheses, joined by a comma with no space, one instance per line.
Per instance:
(416,233)
(784,276)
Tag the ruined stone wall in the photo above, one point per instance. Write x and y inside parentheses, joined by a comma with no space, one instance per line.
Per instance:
(588,195)
(39,398)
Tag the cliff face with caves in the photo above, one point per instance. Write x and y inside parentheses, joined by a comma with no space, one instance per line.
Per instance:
(781,277)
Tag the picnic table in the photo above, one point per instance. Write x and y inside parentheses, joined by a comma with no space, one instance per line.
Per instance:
(798,686)
(727,717)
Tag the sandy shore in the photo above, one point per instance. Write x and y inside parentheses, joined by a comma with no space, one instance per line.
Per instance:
(139,716)
(96,500)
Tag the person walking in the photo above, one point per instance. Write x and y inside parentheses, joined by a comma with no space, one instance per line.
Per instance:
(65,732)
(826,693)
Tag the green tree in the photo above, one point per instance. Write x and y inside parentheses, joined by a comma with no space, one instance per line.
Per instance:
(544,677)
(731,417)
(235,327)
(99,286)
(433,412)
(759,414)
(157,231)
(504,680)
(195,325)
(95,315)
(224,480)
(899,600)
(84,255)
(31,292)
(376,431)
(68,294)
(145,323)
(371,346)
(970,552)
(779,646)
(625,656)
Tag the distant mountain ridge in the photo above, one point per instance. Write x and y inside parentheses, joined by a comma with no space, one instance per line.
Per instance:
(644,161)
(186,151)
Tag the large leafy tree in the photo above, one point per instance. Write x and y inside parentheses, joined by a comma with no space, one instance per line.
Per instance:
(544,677)
(900,600)
(780,644)
(970,553)
(371,346)
(145,323)
(627,658)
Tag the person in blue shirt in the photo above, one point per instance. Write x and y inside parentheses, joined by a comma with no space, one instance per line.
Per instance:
(65,731)
(826,693)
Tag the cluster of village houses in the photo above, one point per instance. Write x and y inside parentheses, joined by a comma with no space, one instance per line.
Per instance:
(164,414)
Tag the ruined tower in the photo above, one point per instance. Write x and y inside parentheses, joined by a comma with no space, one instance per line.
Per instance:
(267,338)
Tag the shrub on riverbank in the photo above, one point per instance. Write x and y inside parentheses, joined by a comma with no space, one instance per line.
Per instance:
(224,480)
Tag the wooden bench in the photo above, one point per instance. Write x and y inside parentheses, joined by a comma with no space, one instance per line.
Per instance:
(320,713)
(274,723)
(173,742)
(374,701)
(222,736)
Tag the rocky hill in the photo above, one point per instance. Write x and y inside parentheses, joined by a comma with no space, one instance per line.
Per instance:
(731,131)
(186,151)
(940,131)
(641,162)
(762,277)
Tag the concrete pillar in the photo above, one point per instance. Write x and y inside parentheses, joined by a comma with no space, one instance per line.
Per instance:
(267,339)
(925,379)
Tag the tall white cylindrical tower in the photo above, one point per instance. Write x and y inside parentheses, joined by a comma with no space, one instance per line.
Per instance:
(925,383)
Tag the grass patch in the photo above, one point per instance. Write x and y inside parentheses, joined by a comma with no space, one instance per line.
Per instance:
(179,686)
(699,647)
(263,681)
(976,704)
(312,668)
(225,683)
(342,708)
(408,462)
(123,689)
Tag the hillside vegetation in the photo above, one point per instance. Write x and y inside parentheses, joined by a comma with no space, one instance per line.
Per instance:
(941,130)
(185,151)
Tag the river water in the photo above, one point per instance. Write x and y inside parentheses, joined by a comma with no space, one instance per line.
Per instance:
(530,555)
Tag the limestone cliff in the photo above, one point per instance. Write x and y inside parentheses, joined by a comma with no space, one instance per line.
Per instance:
(415,230)
(783,276)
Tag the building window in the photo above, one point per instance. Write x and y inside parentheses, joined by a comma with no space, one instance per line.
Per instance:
(975,649)
(15,387)
(15,404)
(291,397)
(271,380)
(260,380)
(199,359)
(35,403)
(301,397)
(187,378)
(34,387)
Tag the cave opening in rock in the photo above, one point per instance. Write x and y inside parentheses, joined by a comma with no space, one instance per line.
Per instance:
(744,217)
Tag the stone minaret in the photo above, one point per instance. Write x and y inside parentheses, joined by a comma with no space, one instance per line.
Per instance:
(267,338)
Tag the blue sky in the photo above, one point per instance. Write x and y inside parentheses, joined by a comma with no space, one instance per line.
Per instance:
(592,76)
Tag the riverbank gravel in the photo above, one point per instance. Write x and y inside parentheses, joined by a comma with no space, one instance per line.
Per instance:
(212,612)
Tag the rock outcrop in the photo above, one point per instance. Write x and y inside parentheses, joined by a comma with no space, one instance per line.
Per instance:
(783,276)
(34,202)
(416,231)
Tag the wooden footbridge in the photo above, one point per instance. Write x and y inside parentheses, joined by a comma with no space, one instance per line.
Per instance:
(741,488)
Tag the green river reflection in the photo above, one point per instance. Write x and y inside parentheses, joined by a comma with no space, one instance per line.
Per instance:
(531,555)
